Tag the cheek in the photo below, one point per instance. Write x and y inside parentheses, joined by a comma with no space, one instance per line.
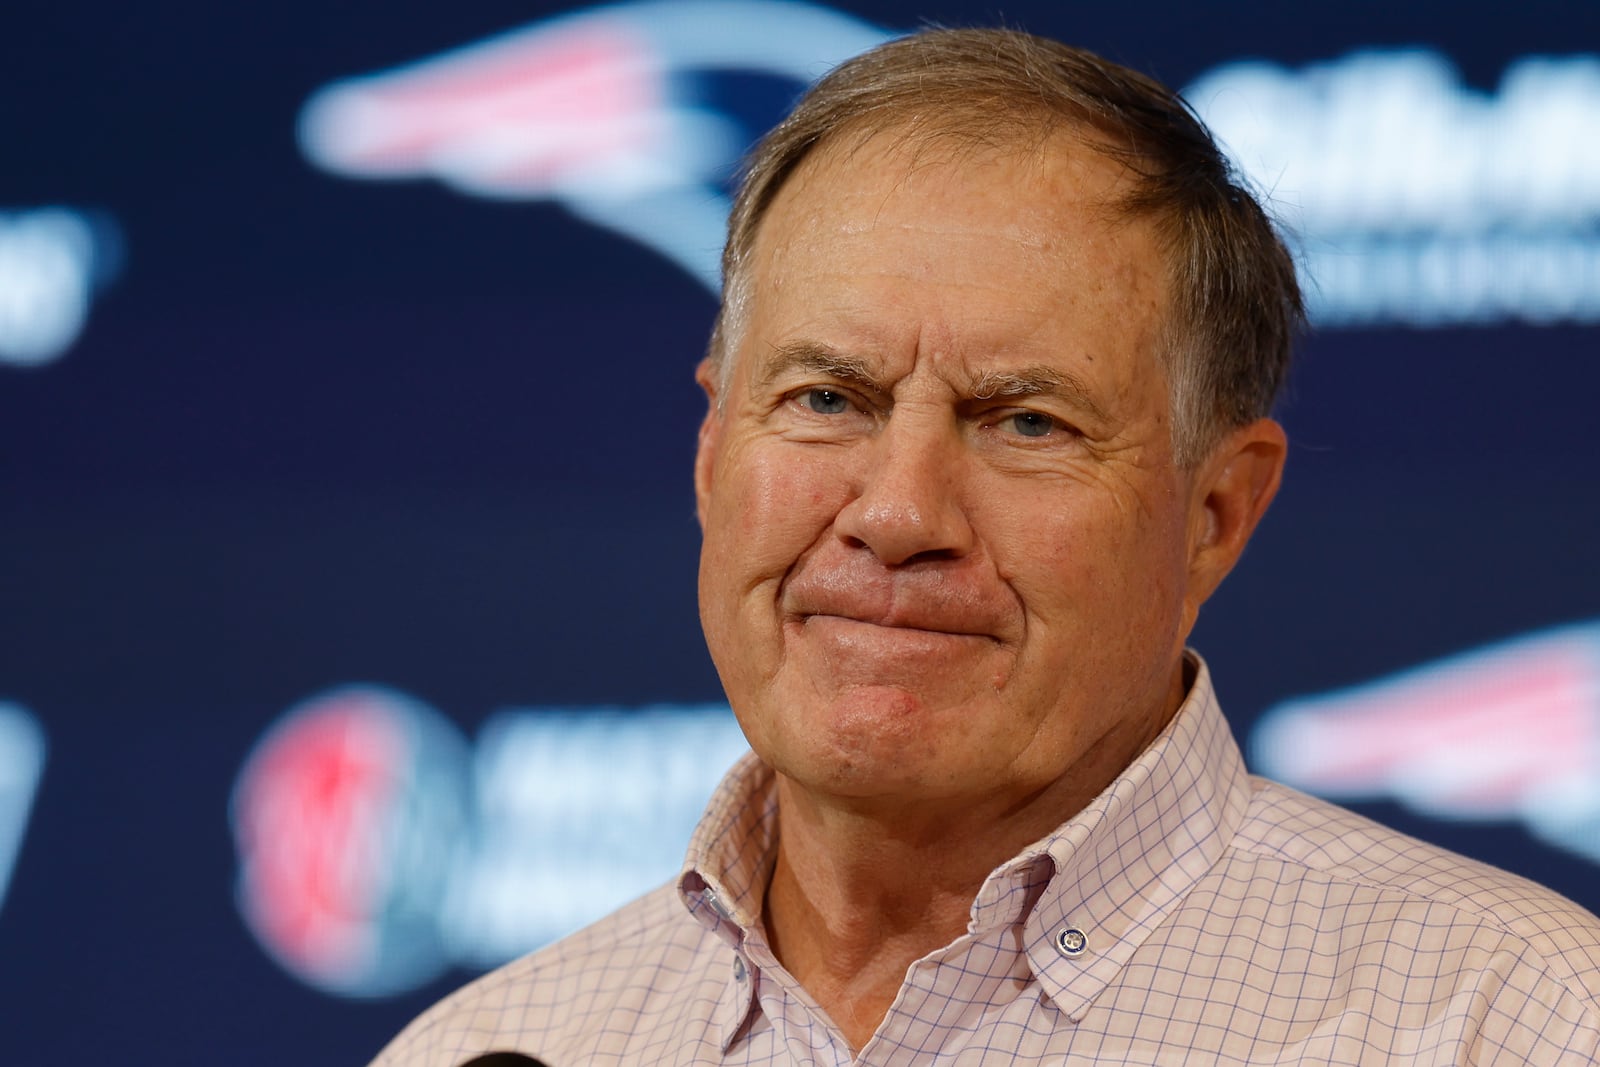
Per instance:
(766,509)
(770,505)
(1105,575)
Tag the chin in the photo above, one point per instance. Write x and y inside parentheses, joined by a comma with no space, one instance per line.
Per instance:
(867,740)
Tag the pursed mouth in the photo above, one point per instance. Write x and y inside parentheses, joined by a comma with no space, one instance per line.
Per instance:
(909,626)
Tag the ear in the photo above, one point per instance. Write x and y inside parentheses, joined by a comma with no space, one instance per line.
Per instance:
(1231,491)
(709,376)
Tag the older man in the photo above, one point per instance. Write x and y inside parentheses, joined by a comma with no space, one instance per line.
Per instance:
(988,423)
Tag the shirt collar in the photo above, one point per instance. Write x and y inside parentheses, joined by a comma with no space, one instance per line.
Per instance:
(1113,872)
(724,878)
(732,851)
(1125,862)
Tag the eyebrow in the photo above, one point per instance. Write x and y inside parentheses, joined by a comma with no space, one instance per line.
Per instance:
(810,356)
(1038,380)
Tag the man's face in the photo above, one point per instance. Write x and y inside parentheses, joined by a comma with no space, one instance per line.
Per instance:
(947,549)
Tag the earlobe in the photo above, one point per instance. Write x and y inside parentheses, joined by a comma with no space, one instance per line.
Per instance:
(1236,485)
(705,450)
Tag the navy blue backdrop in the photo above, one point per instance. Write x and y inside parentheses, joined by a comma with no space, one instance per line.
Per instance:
(317,430)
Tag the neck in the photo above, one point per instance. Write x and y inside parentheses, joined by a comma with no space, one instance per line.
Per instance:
(859,894)
(864,888)
(851,906)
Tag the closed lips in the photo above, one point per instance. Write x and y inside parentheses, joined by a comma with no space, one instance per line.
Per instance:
(930,601)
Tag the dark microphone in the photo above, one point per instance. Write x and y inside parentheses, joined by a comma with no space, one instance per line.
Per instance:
(504,1059)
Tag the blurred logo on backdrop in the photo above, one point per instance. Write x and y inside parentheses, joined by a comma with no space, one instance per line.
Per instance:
(599,110)
(1415,199)
(52,262)
(377,847)
(1412,198)
(1509,732)
(22,751)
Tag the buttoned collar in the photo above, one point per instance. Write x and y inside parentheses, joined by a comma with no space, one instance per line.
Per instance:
(1125,862)
(1087,895)
(725,875)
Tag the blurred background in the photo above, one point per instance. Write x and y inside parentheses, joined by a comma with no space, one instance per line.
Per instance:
(348,641)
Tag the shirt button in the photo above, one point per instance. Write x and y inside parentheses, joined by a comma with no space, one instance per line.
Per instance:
(1071,941)
(738,969)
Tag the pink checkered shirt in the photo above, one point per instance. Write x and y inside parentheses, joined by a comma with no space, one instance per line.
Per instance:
(1192,914)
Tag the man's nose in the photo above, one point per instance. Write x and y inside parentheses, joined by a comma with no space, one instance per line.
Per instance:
(908,505)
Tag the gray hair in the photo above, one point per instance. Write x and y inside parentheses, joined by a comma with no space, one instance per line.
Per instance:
(1236,302)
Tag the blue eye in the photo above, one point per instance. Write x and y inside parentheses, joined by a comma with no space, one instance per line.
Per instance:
(1031,424)
(827,401)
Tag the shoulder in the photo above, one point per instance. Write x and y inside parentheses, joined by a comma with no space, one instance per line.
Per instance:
(612,971)
(1425,887)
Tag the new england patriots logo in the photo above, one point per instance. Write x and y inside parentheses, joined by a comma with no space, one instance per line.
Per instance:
(596,110)
(1507,732)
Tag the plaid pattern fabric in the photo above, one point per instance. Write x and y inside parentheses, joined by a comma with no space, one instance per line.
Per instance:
(1191,914)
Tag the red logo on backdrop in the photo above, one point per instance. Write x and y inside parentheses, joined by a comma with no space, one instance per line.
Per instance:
(346,816)
(1507,732)
(598,109)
